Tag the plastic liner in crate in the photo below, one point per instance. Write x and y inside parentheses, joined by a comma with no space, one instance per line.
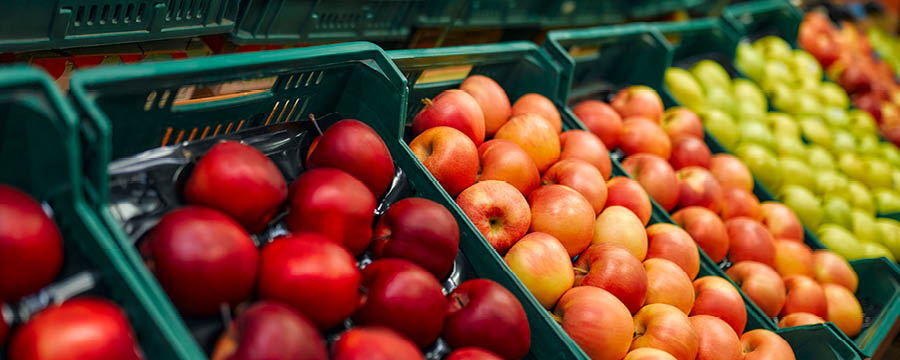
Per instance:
(41,156)
(133,108)
(318,21)
(56,24)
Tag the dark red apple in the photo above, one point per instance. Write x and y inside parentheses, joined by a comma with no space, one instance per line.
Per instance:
(31,250)
(333,203)
(419,230)
(202,258)
(240,181)
(749,240)
(483,313)
(313,274)
(4,324)
(353,146)
(689,151)
(472,353)
(374,343)
(270,330)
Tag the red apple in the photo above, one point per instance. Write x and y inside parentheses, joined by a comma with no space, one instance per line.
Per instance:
(418,230)
(830,268)
(739,202)
(668,284)
(707,230)
(804,295)
(271,330)
(504,160)
(656,176)
(81,328)
(580,144)
(730,171)
(762,284)
(670,242)
(648,354)
(294,266)
(762,344)
(717,340)
(697,187)
(598,322)
(356,148)
(582,177)
(642,135)
(749,241)
(483,313)
(618,225)
(601,119)
(843,309)
(31,249)
(689,151)
(678,121)
(202,258)
(535,135)
(538,104)
(374,343)
(491,99)
(449,156)
(638,100)
(665,327)
(472,353)
(453,108)
(799,319)
(793,258)
(4,323)
(240,181)
(543,265)
(498,210)
(626,192)
(613,268)
(717,297)
(403,296)
(781,221)
(563,213)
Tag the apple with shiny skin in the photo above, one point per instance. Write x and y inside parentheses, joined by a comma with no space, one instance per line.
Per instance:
(543,265)
(483,313)
(271,330)
(418,230)
(505,161)
(601,119)
(356,148)
(450,156)
(31,249)
(716,296)
(498,211)
(565,214)
(454,108)
(656,176)
(613,268)
(597,321)
(665,327)
(374,343)
(580,144)
(718,340)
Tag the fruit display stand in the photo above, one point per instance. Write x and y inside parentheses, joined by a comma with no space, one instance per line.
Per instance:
(51,24)
(50,171)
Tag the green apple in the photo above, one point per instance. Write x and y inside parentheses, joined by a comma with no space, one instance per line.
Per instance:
(777,73)
(806,66)
(839,240)
(720,98)
(806,103)
(722,127)
(852,166)
(890,231)
(868,145)
(831,183)
(789,146)
(804,203)
(815,131)
(895,175)
(874,251)
(862,121)
(746,90)
(819,158)
(796,172)
(890,153)
(837,210)
(684,88)
(757,133)
(749,60)
(773,48)
(842,141)
(762,163)
(877,173)
(836,117)
(782,96)
(783,125)
(864,227)
(747,109)
(833,94)
(860,196)
(711,75)
(887,201)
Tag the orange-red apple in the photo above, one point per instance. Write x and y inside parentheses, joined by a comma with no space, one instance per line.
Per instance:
(668,284)
(799,319)
(697,187)
(830,268)
(665,327)
(739,202)
(804,295)
(601,119)
(642,135)
(843,309)
(449,155)
(730,171)
(580,144)
(761,284)
(679,121)
(504,160)
(793,258)
(656,176)
(689,151)
(498,210)
(638,100)
(707,230)
(582,177)
(749,241)
(534,135)
(454,108)
(648,354)
(374,343)
(534,103)
(781,221)
(563,213)
(598,322)
(626,192)
(613,268)
(543,265)
(491,99)
(718,341)
(717,297)
(762,344)
(619,225)
(670,242)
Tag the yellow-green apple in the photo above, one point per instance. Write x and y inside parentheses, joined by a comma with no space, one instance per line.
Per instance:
(799,319)
(565,214)
(418,230)
(505,161)
(656,176)
(270,329)
(762,163)
(374,343)
(864,227)
(718,341)
(626,192)
(843,309)
(716,296)
(749,240)
(684,87)
(804,295)
(618,225)
(638,100)
(670,242)
(642,135)
(498,210)
(793,258)
(483,313)
(648,354)
(679,121)
(830,268)
(454,108)
(534,135)
(449,155)
(721,126)
(580,176)
(781,221)
(543,265)
(665,327)
(580,144)
(711,75)
(598,322)
(707,230)
(762,344)
(601,119)
(356,148)
(491,99)
(472,353)
(402,296)
(739,202)
(534,103)
(730,171)
(668,284)
(697,187)
(613,268)
(762,284)
(689,151)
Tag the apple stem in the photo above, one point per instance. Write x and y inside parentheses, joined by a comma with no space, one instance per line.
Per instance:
(555,317)
(313,118)
(460,302)
(580,270)
(427,101)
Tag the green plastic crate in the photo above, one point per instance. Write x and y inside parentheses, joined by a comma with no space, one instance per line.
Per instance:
(643,9)
(49,170)
(468,14)
(56,24)
(756,19)
(321,21)
(569,13)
